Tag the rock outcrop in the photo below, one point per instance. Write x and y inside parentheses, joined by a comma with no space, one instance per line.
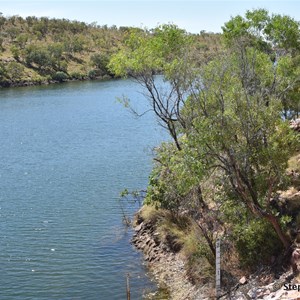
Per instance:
(284,287)
(165,264)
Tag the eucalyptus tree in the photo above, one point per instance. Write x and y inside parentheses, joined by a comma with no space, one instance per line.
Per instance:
(175,183)
(166,51)
(279,37)
(239,130)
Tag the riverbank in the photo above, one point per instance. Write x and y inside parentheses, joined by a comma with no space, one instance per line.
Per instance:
(166,263)
(169,268)
(24,83)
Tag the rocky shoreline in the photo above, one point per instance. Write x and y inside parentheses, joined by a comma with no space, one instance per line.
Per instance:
(27,83)
(165,264)
(168,269)
(264,286)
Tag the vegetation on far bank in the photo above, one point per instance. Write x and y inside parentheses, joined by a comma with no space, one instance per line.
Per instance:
(224,173)
(42,50)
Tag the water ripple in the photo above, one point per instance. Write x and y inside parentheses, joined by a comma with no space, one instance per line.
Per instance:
(67,151)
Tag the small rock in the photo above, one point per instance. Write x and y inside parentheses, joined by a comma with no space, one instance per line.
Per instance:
(243,280)
(138,227)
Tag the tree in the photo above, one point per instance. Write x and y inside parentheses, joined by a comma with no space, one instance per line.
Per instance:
(3,72)
(166,51)
(74,44)
(279,37)
(37,55)
(276,34)
(100,61)
(21,40)
(56,56)
(238,129)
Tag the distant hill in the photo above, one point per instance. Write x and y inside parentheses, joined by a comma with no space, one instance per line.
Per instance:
(43,50)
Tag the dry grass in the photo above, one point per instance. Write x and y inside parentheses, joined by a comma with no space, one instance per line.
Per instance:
(294,163)
(150,213)
(182,236)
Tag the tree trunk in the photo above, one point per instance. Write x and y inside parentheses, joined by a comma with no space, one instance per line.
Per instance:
(283,237)
(207,238)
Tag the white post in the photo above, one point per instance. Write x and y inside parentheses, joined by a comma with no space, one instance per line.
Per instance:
(218,269)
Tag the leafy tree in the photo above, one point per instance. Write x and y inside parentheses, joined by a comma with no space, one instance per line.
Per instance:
(15,52)
(279,37)
(37,55)
(12,32)
(56,56)
(1,44)
(284,33)
(21,40)
(100,61)
(274,34)
(164,50)
(74,44)
(41,27)
(238,129)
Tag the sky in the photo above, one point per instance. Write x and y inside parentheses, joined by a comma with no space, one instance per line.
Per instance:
(192,15)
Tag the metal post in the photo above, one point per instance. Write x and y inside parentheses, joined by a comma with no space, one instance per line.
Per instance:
(218,269)
(127,286)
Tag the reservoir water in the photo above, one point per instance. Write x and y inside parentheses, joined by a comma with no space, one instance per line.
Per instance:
(67,151)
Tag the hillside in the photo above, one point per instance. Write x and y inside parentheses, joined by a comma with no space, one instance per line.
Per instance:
(43,50)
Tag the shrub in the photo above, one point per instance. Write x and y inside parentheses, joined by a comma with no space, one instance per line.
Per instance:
(92,74)
(77,75)
(15,70)
(255,241)
(60,76)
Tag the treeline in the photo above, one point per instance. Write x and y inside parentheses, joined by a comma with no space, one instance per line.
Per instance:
(39,50)
(228,116)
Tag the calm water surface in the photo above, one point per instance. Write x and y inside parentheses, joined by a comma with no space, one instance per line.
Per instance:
(66,153)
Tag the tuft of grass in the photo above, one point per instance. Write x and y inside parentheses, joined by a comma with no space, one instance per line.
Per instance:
(294,163)
(150,214)
(182,236)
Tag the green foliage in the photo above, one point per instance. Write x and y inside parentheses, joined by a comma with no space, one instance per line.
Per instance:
(158,51)
(74,44)
(256,242)
(92,74)
(172,179)
(3,72)
(245,125)
(77,75)
(60,76)
(288,70)
(45,46)
(21,40)
(15,70)
(37,55)
(15,52)
(265,32)
(283,32)
(1,44)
